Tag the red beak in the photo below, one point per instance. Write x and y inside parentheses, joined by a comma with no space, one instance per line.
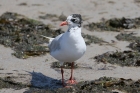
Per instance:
(64,23)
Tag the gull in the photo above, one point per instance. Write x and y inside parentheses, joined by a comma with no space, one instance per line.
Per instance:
(69,46)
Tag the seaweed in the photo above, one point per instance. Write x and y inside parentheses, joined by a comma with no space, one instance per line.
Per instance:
(135,40)
(125,58)
(101,85)
(1,68)
(8,83)
(37,5)
(62,17)
(48,16)
(137,1)
(23,4)
(93,39)
(23,35)
(114,24)
(135,46)
(38,90)
(128,37)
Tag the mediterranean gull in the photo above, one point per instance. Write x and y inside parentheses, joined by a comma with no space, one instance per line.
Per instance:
(69,46)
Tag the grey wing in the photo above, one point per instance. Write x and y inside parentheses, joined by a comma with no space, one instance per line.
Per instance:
(55,44)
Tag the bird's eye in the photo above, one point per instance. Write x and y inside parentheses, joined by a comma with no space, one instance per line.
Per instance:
(73,20)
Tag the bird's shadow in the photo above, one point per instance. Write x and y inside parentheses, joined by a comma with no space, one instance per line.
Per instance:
(44,82)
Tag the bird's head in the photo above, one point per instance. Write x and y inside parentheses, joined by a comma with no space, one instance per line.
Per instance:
(73,20)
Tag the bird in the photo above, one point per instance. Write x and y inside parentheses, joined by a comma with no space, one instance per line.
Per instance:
(68,46)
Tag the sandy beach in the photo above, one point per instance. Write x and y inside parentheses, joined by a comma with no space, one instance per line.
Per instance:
(36,70)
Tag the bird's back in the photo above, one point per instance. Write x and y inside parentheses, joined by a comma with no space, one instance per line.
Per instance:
(54,44)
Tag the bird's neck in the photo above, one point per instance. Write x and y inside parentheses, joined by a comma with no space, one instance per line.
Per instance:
(74,29)
(74,25)
(73,35)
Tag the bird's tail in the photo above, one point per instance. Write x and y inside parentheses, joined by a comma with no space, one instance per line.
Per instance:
(49,38)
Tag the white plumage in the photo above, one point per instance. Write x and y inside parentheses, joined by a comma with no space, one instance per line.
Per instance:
(69,46)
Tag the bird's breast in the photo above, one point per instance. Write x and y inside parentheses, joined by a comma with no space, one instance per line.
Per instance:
(74,45)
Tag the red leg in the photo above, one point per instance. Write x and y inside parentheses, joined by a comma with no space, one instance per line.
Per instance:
(62,71)
(71,80)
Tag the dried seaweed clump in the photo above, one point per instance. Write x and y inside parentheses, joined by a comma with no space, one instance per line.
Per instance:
(125,58)
(101,85)
(135,46)
(135,41)
(66,65)
(107,84)
(48,16)
(93,39)
(128,37)
(38,90)
(23,4)
(23,35)
(114,24)
(8,83)
(54,17)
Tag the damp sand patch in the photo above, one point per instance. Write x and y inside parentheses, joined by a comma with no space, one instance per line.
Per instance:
(114,24)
